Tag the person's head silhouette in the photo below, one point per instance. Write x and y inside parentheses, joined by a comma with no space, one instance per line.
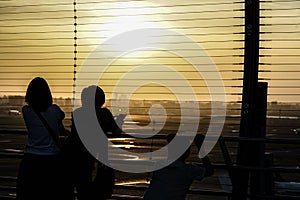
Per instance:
(38,94)
(92,95)
(185,155)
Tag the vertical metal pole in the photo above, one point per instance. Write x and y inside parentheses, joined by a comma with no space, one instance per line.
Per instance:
(250,82)
(75,54)
(257,155)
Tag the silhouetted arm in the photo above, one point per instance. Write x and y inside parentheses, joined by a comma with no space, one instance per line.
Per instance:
(205,160)
(107,122)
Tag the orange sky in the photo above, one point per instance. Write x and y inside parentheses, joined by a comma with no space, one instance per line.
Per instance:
(37,40)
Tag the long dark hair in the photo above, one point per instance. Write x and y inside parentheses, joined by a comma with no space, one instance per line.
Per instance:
(38,94)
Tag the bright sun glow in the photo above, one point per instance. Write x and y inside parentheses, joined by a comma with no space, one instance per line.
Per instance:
(126,16)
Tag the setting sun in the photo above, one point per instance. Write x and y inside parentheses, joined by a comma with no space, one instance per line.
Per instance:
(121,17)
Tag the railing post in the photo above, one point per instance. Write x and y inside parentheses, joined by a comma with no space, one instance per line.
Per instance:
(250,85)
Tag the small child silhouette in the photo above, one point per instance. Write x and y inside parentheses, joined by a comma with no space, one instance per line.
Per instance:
(173,181)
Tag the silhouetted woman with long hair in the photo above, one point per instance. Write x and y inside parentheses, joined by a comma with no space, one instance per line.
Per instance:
(38,170)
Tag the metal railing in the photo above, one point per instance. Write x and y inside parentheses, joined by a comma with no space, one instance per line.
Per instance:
(228,165)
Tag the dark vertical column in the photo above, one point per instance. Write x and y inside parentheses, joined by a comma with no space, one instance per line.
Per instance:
(257,150)
(250,84)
